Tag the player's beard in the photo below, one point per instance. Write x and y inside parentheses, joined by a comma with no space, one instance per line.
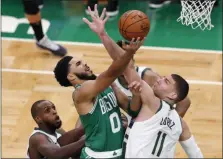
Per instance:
(83,76)
(53,126)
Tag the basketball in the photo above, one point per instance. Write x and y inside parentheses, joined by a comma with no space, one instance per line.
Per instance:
(134,24)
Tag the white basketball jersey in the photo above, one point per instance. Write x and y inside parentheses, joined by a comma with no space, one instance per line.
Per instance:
(155,137)
(51,138)
(140,71)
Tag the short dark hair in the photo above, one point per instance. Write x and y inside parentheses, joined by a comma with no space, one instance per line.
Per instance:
(182,87)
(61,71)
(34,110)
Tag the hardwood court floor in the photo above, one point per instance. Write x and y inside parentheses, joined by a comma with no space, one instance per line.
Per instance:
(21,86)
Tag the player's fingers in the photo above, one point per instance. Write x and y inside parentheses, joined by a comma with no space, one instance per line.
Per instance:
(142,41)
(131,84)
(91,13)
(103,14)
(138,40)
(124,45)
(86,21)
(134,83)
(89,9)
(137,86)
(130,88)
(106,18)
(132,42)
(96,11)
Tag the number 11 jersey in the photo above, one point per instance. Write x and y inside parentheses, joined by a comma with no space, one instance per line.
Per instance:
(155,137)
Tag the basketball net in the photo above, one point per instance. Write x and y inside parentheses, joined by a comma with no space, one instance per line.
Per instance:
(196,13)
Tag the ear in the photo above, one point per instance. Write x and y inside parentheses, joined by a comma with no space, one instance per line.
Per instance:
(38,120)
(172,96)
(71,77)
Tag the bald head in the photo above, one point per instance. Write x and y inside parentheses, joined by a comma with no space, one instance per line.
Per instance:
(45,115)
(37,106)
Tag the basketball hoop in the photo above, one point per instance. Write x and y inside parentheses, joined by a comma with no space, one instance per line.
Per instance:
(197,13)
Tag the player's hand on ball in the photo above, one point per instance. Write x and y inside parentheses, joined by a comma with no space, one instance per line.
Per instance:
(133,45)
(135,88)
(98,23)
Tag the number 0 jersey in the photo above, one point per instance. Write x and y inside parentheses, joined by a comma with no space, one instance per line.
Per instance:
(103,126)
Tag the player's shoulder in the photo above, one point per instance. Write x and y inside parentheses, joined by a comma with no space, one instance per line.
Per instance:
(142,69)
(81,89)
(149,74)
(36,138)
(84,84)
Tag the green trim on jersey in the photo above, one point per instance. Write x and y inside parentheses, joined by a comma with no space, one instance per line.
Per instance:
(161,105)
(144,71)
(103,124)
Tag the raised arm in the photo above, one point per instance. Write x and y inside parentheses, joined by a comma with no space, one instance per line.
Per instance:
(122,98)
(130,105)
(147,96)
(91,89)
(113,49)
(136,104)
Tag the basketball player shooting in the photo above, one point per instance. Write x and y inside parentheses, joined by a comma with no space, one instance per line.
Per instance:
(157,121)
(94,99)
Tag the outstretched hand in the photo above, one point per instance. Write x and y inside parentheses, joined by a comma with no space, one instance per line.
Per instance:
(135,88)
(133,46)
(98,23)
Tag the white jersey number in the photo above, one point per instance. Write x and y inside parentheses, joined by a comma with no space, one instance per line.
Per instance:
(115,118)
